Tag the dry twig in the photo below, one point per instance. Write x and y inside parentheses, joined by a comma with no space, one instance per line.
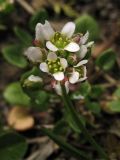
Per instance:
(26,6)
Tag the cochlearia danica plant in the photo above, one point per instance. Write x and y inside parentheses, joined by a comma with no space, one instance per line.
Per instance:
(61,57)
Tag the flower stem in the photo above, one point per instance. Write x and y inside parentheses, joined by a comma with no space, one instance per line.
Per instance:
(75,117)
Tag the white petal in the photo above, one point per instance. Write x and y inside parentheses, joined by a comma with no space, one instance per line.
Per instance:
(74,77)
(59,76)
(39,32)
(34,78)
(72,47)
(84,39)
(44,31)
(67,86)
(48,30)
(82,79)
(34,54)
(83,51)
(85,71)
(63,62)
(68,29)
(89,44)
(51,56)
(57,88)
(81,63)
(51,46)
(44,67)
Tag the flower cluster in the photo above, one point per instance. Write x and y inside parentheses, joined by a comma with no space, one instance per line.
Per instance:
(60,54)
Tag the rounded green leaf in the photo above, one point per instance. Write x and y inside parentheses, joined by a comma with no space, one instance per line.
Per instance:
(87,23)
(114,106)
(96,91)
(106,60)
(13,54)
(12,146)
(94,107)
(85,88)
(23,35)
(40,100)
(83,92)
(39,17)
(15,95)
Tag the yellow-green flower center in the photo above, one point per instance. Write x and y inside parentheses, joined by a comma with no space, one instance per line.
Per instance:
(81,71)
(59,40)
(55,66)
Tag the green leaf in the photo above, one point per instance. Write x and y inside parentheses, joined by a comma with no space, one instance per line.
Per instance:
(15,95)
(13,54)
(12,146)
(39,99)
(117,92)
(106,60)
(6,7)
(70,120)
(87,23)
(23,35)
(71,115)
(114,106)
(39,17)
(66,146)
(94,107)
(42,101)
(69,108)
(61,127)
(85,88)
(96,91)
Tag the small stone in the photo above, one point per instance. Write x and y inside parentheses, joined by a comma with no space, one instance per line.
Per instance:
(20,119)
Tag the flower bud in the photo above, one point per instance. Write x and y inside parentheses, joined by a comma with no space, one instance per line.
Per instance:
(32,81)
(77,38)
(72,59)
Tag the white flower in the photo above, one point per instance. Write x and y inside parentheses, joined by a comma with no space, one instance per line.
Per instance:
(57,40)
(79,72)
(54,66)
(43,31)
(33,78)
(57,87)
(34,54)
(84,45)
